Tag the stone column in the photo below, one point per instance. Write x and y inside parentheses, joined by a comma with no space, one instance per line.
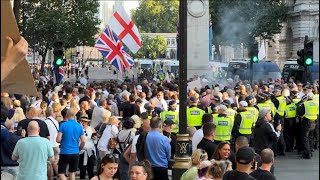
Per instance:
(198,38)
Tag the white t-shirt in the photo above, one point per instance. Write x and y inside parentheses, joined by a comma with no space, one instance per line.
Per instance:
(109,132)
(197,137)
(133,145)
(53,127)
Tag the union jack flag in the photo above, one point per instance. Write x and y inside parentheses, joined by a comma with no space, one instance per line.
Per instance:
(61,71)
(111,47)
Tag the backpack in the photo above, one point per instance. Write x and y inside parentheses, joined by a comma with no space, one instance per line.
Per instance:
(125,143)
(142,153)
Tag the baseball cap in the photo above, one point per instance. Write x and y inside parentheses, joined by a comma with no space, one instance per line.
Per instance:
(139,88)
(221,107)
(172,103)
(193,99)
(243,104)
(245,155)
(277,90)
(168,123)
(217,98)
(263,112)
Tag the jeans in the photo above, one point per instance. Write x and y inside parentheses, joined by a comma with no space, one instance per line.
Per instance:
(14,170)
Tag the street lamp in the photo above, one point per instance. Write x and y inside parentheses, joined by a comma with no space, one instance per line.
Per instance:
(182,159)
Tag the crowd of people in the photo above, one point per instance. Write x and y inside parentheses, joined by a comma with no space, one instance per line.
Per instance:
(129,130)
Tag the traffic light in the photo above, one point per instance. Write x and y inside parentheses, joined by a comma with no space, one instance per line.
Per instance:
(300,61)
(308,61)
(254,53)
(58,54)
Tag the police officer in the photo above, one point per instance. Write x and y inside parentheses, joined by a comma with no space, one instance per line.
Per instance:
(172,115)
(290,124)
(267,96)
(244,122)
(280,103)
(261,102)
(223,125)
(254,111)
(231,113)
(316,130)
(194,114)
(308,111)
(215,101)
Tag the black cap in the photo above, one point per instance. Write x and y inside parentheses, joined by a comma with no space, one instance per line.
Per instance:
(168,123)
(217,98)
(245,155)
(171,103)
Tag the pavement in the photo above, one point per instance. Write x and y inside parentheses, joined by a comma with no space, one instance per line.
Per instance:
(293,167)
(103,74)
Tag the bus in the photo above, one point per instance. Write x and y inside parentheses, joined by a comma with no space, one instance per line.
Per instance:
(292,69)
(263,70)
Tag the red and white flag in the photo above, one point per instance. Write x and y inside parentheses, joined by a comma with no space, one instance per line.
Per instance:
(126,30)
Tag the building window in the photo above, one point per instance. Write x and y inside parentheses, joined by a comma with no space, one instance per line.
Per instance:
(173,42)
(168,42)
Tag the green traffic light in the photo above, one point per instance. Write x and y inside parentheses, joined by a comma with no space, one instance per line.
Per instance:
(59,62)
(255,59)
(308,61)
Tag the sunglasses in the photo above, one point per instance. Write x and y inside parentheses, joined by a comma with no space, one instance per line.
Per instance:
(85,132)
(139,163)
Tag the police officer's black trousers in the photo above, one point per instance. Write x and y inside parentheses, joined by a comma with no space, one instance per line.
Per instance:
(298,146)
(289,133)
(305,144)
(316,135)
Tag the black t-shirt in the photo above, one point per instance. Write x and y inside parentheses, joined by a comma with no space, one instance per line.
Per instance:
(260,174)
(44,131)
(236,175)
(130,110)
(208,146)
(7,148)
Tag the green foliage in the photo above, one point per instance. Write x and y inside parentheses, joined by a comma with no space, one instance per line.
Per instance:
(152,47)
(157,16)
(236,22)
(73,22)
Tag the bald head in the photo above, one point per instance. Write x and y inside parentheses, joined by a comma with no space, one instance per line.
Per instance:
(267,156)
(33,128)
(152,102)
(241,141)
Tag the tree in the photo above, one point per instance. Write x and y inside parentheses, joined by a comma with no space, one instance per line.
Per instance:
(74,22)
(236,22)
(157,16)
(152,47)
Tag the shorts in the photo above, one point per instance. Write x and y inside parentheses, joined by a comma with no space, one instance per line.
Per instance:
(68,159)
(56,155)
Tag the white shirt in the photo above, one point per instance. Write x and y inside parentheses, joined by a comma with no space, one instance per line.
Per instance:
(83,81)
(109,132)
(36,104)
(97,116)
(197,137)
(134,143)
(53,127)
(301,94)
(105,94)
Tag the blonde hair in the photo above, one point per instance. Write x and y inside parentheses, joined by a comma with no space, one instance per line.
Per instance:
(74,104)
(72,112)
(137,121)
(106,116)
(56,107)
(18,115)
(198,156)
(218,168)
